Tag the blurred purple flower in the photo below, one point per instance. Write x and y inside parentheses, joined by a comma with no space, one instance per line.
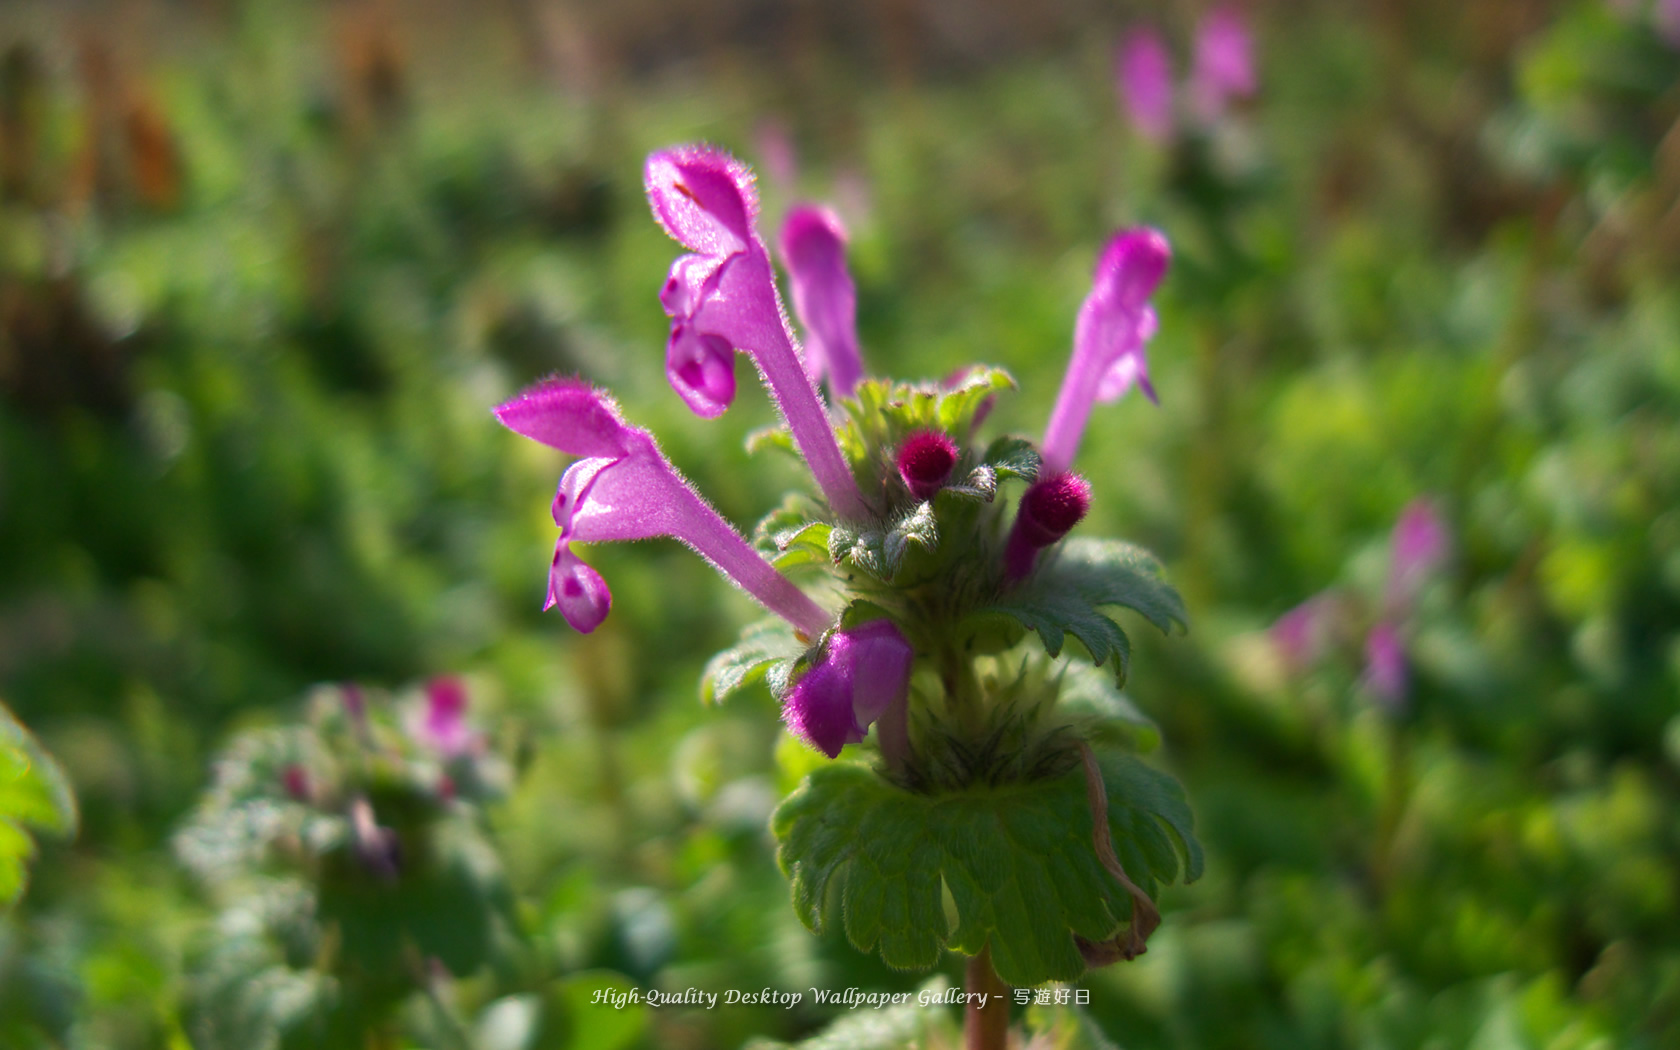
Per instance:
(1665,16)
(443,727)
(813,245)
(723,297)
(1143,75)
(1302,634)
(1223,67)
(780,160)
(1417,548)
(1114,324)
(623,488)
(861,674)
(1385,664)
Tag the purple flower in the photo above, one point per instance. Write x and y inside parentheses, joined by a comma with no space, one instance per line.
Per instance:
(1049,510)
(1417,548)
(1302,634)
(1223,67)
(813,244)
(925,461)
(723,297)
(1114,324)
(443,727)
(1385,664)
(1666,17)
(860,675)
(775,147)
(1143,74)
(623,488)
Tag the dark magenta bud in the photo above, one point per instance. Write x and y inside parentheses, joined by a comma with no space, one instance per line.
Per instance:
(925,461)
(1049,510)
(296,782)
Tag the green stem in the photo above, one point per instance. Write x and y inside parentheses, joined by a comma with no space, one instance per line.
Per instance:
(985,1021)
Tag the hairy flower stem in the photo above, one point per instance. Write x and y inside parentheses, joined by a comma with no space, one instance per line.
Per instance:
(808,422)
(985,1027)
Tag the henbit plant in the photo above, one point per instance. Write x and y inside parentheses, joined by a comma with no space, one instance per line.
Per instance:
(1007,816)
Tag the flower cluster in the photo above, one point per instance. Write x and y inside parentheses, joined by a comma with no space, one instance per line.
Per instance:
(907,521)
(1222,69)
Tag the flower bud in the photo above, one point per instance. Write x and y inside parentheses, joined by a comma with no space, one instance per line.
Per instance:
(925,461)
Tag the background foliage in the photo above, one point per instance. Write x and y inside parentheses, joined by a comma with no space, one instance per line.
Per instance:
(264,267)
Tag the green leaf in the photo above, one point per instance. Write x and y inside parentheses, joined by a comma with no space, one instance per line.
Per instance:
(1018,861)
(1065,595)
(34,793)
(1055,612)
(957,406)
(1112,572)
(1091,696)
(763,645)
(1013,457)
(776,436)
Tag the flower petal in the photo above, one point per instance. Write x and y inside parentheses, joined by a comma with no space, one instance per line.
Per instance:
(583,597)
(1143,72)
(567,414)
(701,369)
(703,197)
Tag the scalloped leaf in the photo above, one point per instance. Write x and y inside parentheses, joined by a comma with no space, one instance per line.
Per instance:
(767,650)
(1065,595)
(34,794)
(1113,572)
(1055,613)
(1013,457)
(1019,862)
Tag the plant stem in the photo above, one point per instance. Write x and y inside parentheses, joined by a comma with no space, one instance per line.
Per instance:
(985,1027)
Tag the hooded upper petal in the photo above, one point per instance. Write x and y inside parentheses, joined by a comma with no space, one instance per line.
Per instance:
(567,414)
(1114,323)
(703,197)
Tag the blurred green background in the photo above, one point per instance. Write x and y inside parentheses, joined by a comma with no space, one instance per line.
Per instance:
(265,266)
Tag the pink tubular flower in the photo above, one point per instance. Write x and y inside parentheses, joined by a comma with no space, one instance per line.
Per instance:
(723,297)
(1143,75)
(623,488)
(1416,549)
(1302,634)
(1114,324)
(1666,17)
(1385,664)
(1223,67)
(813,245)
(861,674)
